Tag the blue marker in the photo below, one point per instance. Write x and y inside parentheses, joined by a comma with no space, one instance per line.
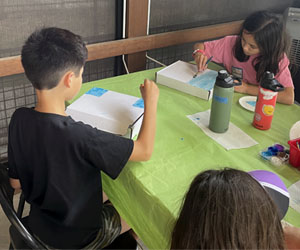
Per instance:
(209,59)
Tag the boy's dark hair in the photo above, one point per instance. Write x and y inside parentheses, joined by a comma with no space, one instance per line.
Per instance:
(269,33)
(227,209)
(49,53)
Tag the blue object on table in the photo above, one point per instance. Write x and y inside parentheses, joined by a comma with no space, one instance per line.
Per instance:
(267,154)
(272,151)
(96,92)
(251,103)
(139,103)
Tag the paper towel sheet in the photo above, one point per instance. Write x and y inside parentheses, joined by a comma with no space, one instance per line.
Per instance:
(233,138)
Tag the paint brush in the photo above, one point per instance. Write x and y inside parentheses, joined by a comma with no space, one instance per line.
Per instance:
(209,59)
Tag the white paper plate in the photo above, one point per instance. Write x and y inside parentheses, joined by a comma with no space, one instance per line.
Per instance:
(248,102)
(295,131)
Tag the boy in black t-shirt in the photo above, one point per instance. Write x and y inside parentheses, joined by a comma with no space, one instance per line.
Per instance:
(56,161)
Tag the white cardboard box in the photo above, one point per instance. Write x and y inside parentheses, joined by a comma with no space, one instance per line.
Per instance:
(109,111)
(179,75)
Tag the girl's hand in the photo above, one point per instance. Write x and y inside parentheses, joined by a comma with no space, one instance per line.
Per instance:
(241,88)
(201,60)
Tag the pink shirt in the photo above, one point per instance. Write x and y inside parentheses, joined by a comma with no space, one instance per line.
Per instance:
(221,50)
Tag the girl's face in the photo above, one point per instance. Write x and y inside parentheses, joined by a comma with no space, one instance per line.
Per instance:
(249,44)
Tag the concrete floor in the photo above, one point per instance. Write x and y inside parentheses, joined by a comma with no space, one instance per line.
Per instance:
(4,223)
(4,226)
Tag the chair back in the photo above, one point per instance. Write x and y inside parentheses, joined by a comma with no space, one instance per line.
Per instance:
(6,201)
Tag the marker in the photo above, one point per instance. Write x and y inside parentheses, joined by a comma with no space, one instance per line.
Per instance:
(209,59)
(298,146)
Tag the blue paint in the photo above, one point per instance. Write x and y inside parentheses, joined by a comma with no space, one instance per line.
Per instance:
(221,99)
(205,80)
(251,103)
(266,155)
(139,103)
(96,92)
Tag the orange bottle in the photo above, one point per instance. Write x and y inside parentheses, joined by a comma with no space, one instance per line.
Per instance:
(266,101)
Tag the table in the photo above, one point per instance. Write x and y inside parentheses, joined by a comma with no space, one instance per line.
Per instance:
(148,195)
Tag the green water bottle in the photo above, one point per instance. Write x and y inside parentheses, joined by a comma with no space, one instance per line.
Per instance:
(222,102)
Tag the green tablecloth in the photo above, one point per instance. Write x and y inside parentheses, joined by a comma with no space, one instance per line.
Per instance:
(148,195)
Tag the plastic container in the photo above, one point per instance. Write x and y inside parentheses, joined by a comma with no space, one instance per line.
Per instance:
(294,153)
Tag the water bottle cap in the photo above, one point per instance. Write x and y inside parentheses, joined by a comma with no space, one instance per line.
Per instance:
(269,75)
(223,74)
(225,80)
(269,82)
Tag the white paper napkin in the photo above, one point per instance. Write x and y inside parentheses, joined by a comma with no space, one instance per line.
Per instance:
(294,191)
(233,138)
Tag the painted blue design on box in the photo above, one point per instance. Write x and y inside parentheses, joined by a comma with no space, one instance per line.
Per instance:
(221,99)
(96,91)
(139,103)
(204,81)
(252,103)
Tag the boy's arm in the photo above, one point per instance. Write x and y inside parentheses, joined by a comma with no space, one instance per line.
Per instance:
(286,96)
(15,183)
(143,146)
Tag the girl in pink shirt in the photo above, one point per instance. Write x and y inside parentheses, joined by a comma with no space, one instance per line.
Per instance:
(261,46)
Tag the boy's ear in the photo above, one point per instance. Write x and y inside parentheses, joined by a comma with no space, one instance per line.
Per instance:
(67,78)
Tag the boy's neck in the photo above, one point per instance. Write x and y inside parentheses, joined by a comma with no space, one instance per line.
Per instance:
(50,102)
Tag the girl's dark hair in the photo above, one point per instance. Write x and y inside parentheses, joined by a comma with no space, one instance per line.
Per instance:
(50,52)
(269,33)
(227,209)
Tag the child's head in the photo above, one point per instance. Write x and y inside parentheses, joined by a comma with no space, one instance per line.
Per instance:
(227,209)
(49,53)
(262,34)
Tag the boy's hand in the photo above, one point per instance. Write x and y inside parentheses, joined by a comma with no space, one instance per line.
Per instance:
(143,146)
(149,91)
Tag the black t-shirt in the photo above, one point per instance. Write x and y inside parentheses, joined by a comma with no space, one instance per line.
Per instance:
(58,163)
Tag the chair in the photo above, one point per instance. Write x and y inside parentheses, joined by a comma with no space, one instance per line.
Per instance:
(20,237)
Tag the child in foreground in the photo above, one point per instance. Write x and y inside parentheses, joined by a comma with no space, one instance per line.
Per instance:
(291,237)
(227,209)
(261,46)
(58,162)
